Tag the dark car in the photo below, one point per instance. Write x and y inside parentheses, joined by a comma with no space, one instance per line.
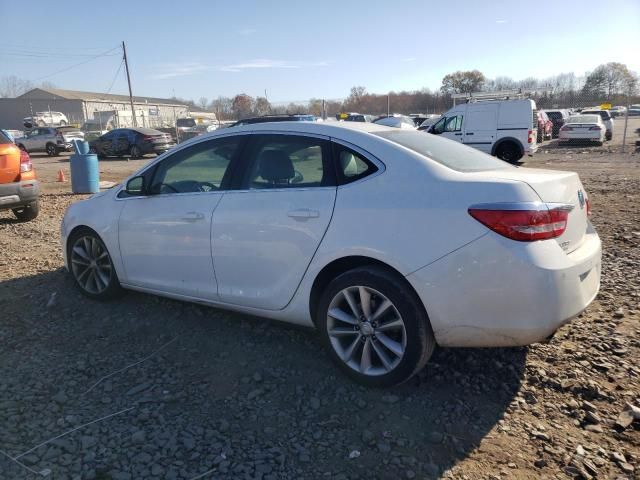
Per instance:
(275,118)
(135,142)
(558,118)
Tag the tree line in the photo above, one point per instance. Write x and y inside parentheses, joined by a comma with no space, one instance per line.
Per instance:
(611,83)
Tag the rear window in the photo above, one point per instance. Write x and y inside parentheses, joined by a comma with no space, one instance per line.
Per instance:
(185,122)
(583,119)
(450,154)
(554,115)
(603,113)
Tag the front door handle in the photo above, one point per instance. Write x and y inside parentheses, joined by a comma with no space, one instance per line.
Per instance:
(458,134)
(193,217)
(303,213)
(469,133)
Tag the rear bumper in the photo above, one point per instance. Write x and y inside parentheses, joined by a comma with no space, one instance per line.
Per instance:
(496,292)
(585,136)
(18,194)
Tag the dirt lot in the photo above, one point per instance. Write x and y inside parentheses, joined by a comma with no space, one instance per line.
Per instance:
(152,388)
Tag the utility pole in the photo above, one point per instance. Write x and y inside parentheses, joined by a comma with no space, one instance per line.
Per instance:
(126,67)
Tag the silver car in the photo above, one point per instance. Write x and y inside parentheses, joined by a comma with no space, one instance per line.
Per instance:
(51,140)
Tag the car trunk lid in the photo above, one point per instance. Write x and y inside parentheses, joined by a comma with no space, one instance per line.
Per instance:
(555,187)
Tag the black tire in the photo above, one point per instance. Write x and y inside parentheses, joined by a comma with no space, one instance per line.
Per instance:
(111,287)
(41,123)
(134,152)
(509,152)
(28,212)
(420,341)
(540,136)
(63,123)
(52,151)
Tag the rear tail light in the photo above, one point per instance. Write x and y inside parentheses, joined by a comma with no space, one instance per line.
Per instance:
(588,203)
(25,162)
(540,222)
(148,138)
(530,139)
(566,128)
(595,128)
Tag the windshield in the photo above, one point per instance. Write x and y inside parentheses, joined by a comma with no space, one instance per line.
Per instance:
(446,152)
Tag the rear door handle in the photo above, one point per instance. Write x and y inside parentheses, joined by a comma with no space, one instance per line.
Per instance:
(193,217)
(458,134)
(303,213)
(469,133)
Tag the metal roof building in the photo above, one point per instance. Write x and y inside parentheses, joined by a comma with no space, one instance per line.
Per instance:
(80,107)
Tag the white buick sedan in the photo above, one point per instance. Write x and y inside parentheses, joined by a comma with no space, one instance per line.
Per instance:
(387,241)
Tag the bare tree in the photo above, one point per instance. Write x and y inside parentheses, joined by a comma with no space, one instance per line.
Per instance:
(12,86)
(262,106)
(203,103)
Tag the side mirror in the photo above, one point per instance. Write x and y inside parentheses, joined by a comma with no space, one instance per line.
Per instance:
(135,186)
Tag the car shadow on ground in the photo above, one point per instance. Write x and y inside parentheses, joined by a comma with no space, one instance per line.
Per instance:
(255,390)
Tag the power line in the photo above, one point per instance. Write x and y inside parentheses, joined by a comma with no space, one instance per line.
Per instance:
(115,76)
(77,64)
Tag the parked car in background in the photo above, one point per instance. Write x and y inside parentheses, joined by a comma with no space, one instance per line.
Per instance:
(19,188)
(420,118)
(396,121)
(618,111)
(135,142)
(606,118)
(503,128)
(583,127)
(557,117)
(14,133)
(365,232)
(428,122)
(357,117)
(545,127)
(92,130)
(275,118)
(634,110)
(42,119)
(51,140)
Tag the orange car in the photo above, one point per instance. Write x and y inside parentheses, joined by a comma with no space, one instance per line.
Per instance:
(19,188)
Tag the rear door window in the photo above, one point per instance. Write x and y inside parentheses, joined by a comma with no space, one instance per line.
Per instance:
(288,161)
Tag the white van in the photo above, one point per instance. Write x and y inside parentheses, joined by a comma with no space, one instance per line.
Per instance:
(506,129)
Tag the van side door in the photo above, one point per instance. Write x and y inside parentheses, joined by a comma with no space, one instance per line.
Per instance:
(480,127)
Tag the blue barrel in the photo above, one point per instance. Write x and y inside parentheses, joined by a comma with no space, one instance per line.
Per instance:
(85,174)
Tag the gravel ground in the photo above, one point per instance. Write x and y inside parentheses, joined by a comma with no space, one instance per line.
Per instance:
(146,387)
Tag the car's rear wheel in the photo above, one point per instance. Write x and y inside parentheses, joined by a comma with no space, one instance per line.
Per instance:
(374,326)
(28,212)
(63,123)
(509,152)
(52,151)
(41,123)
(91,265)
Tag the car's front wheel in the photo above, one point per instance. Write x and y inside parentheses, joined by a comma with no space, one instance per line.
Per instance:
(52,151)
(375,327)
(91,265)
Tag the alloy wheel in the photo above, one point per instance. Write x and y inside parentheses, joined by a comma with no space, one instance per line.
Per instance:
(91,264)
(366,330)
